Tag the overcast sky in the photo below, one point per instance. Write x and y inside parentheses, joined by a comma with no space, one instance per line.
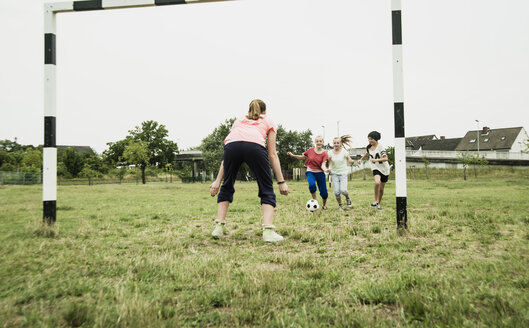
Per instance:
(318,65)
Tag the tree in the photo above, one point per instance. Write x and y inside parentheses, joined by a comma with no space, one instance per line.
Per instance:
(6,161)
(169,170)
(161,150)
(89,173)
(477,160)
(137,153)
(293,141)
(212,146)
(390,151)
(113,156)
(10,146)
(32,160)
(119,173)
(153,136)
(95,162)
(73,161)
(16,157)
(466,159)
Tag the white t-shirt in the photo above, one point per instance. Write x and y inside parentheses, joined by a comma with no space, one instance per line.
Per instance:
(379,152)
(338,162)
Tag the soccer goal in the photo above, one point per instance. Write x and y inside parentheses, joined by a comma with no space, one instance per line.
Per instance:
(49,179)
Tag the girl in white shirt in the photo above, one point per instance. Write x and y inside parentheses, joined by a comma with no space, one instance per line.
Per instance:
(338,168)
(379,165)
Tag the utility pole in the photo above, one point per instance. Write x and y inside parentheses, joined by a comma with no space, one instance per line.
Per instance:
(477,134)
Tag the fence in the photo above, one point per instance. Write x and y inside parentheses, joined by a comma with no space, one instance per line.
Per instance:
(20,178)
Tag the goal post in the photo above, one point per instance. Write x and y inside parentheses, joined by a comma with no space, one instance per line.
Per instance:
(49,170)
(398,108)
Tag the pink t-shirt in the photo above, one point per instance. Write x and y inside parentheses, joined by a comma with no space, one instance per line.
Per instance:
(314,160)
(245,129)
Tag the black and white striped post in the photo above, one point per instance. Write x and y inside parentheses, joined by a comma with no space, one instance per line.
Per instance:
(49,163)
(49,176)
(398,107)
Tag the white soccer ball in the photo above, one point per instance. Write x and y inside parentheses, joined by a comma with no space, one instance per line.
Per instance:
(312,205)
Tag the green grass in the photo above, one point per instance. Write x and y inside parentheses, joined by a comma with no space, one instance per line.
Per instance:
(142,256)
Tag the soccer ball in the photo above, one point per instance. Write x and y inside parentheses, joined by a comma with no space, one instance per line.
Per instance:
(312,205)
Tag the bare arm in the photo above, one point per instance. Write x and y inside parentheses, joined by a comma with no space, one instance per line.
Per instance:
(274,161)
(215,185)
(362,158)
(324,166)
(383,159)
(301,157)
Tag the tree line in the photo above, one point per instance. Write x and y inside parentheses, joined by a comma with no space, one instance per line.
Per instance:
(147,149)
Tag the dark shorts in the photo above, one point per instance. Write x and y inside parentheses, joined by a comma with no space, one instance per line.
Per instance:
(383,178)
(256,156)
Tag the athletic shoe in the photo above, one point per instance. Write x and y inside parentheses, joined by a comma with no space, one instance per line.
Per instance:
(374,204)
(340,208)
(349,202)
(379,207)
(219,230)
(324,207)
(270,236)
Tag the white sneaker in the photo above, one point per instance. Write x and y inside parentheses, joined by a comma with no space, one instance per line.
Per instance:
(219,230)
(374,204)
(270,236)
(340,208)
(379,207)
(349,202)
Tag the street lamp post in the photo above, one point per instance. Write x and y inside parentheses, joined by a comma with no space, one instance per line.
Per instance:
(477,133)
(323,127)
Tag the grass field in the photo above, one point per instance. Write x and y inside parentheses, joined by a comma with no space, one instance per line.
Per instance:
(142,256)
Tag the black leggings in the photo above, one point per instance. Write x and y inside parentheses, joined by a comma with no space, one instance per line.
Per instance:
(256,156)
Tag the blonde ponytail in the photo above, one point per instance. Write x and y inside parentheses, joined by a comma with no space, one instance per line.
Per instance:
(346,140)
(257,107)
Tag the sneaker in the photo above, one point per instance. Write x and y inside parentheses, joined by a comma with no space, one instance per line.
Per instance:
(219,230)
(270,236)
(324,207)
(340,208)
(349,202)
(379,207)
(374,204)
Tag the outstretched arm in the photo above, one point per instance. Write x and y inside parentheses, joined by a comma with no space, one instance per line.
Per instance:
(301,157)
(362,158)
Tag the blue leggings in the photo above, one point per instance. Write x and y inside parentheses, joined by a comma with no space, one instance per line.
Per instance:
(314,178)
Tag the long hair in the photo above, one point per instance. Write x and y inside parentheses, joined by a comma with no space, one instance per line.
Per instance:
(345,140)
(257,107)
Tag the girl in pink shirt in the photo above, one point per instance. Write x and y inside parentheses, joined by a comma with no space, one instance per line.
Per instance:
(316,160)
(246,144)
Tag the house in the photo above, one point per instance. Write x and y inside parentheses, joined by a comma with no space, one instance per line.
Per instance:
(78,149)
(502,146)
(500,140)
(442,144)
(416,143)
